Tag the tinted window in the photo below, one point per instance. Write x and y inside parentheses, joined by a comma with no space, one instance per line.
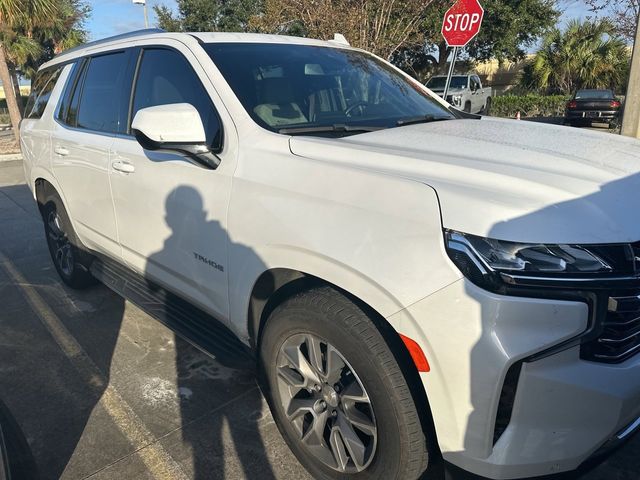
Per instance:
(41,89)
(595,94)
(283,85)
(68,91)
(72,114)
(101,101)
(166,77)
(438,83)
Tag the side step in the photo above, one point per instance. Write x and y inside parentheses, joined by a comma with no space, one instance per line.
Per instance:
(189,322)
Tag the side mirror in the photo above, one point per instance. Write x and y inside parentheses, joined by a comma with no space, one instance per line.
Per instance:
(175,127)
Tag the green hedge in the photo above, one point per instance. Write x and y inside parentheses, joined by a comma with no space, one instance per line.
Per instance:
(530,105)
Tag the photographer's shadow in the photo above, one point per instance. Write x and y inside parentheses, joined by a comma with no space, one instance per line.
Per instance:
(220,403)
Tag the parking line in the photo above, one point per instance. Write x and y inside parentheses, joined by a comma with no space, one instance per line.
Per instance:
(157,460)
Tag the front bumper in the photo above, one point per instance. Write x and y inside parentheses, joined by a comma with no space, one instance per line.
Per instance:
(564,408)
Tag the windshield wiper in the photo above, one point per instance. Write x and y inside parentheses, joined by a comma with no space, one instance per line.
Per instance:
(329,128)
(420,119)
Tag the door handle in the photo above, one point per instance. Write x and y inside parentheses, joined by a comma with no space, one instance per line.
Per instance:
(123,167)
(63,152)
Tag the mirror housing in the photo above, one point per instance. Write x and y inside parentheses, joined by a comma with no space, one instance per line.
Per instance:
(175,127)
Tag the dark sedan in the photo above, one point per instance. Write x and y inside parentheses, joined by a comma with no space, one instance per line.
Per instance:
(589,106)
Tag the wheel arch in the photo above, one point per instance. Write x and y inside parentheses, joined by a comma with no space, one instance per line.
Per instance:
(276,285)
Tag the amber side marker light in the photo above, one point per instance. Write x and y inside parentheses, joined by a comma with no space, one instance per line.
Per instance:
(417,355)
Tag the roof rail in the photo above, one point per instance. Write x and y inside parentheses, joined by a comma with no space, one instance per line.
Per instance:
(122,36)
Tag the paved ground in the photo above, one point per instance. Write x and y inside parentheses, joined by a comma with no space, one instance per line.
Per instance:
(103,391)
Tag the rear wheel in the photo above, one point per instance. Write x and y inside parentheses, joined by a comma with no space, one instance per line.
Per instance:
(70,260)
(337,392)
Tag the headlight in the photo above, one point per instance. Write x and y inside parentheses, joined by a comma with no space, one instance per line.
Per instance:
(488,260)
(457,99)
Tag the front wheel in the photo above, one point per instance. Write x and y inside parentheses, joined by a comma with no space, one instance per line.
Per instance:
(337,392)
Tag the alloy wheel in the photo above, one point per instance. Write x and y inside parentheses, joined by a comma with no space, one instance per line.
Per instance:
(326,403)
(60,246)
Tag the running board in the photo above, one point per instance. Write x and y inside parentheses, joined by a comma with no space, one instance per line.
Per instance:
(190,323)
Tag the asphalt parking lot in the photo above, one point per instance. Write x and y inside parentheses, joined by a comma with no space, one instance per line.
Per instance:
(103,391)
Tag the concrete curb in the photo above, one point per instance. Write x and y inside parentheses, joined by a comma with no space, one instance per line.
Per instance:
(10,157)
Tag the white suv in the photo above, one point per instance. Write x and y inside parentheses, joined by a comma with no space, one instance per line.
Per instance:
(414,281)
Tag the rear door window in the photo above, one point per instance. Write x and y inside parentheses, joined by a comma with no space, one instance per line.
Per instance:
(102,102)
(41,89)
(166,77)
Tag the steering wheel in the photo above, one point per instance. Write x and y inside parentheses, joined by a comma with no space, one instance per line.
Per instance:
(361,104)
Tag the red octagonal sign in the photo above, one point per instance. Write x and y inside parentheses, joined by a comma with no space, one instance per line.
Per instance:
(462,22)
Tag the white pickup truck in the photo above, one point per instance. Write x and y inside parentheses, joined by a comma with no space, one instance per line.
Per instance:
(465,92)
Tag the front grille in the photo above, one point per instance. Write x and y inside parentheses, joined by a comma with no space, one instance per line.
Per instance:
(619,337)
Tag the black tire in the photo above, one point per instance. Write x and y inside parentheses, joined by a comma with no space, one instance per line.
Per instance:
(487,107)
(467,107)
(71,260)
(402,451)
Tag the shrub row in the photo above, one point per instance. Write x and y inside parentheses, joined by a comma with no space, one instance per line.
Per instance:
(530,105)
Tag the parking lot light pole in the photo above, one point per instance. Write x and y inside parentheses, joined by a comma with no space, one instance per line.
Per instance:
(631,120)
(144,7)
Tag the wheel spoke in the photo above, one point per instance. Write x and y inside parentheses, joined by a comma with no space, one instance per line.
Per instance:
(335,365)
(359,420)
(299,406)
(338,449)
(315,354)
(314,437)
(302,365)
(352,442)
(291,377)
(354,393)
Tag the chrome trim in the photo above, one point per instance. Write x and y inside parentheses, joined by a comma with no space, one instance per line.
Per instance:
(629,430)
(632,350)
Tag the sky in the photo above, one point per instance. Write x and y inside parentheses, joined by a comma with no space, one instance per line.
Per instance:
(111,17)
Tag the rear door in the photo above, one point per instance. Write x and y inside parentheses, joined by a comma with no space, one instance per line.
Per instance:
(172,213)
(93,109)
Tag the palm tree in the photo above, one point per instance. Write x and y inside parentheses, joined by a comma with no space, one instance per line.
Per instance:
(584,55)
(14,13)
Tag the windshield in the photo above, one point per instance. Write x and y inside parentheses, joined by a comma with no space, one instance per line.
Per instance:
(596,94)
(284,86)
(438,83)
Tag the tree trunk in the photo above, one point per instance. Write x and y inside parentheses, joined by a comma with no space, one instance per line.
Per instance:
(10,94)
(16,86)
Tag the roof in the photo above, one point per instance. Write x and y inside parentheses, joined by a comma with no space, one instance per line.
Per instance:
(204,37)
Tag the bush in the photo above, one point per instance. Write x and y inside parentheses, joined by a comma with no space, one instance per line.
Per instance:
(530,105)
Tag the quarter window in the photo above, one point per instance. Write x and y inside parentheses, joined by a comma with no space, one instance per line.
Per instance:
(166,77)
(41,92)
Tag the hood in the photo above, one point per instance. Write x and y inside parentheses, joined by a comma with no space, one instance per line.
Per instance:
(518,181)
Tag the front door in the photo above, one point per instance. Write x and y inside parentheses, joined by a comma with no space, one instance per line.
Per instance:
(171,213)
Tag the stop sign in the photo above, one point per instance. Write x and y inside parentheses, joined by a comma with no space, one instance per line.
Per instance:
(462,22)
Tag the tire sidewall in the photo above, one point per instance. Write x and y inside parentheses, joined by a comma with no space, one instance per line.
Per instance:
(285,322)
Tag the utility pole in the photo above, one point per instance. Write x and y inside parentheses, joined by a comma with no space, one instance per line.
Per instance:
(631,120)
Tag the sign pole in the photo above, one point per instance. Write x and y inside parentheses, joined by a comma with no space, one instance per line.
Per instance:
(631,119)
(451,67)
